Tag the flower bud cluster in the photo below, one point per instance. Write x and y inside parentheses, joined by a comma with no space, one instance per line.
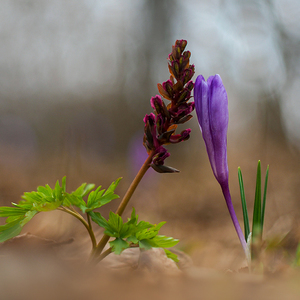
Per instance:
(161,125)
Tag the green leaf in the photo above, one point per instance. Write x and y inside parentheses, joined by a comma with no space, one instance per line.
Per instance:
(256,224)
(75,200)
(28,216)
(112,187)
(264,199)
(144,244)
(47,205)
(118,245)
(149,232)
(162,241)
(63,184)
(10,230)
(115,221)
(98,219)
(171,255)
(244,205)
(99,197)
(143,233)
(83,190)
(58,193)
(6,211)
(132,239)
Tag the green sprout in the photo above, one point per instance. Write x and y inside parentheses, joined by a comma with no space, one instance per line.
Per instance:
(255,237)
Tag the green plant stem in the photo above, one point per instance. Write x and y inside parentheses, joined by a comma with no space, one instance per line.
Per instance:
(83,221)
(102,255)
(99,248)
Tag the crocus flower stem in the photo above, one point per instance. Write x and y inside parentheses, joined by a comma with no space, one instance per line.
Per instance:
(99,248)
(236,224)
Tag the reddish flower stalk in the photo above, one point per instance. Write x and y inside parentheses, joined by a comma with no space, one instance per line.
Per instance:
(161,125)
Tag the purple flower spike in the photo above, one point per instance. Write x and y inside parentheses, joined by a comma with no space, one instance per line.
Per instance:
(211,104)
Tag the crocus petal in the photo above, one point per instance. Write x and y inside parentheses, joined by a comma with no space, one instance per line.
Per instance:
(211,106)
(219,124)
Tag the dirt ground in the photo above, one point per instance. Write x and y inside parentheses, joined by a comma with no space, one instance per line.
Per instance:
(49,263)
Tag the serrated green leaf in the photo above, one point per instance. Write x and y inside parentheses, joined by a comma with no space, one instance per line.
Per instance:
(47,205)
(171,255)
(94,195)
(150,232)
(99,197)
(132,239)
(112,187)
(144,244)
(63,184)
(98,219)
(45,191)
(143,225)
(12,219)
(118,245)
(99,201)
(115,221)
(162,241)
(58,193)
(10,230)
(88,188)
(28,216)
(6,211)
(79,191)
(75,200)
(31,197)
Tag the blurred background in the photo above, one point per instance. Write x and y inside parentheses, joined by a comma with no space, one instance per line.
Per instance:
(76,77)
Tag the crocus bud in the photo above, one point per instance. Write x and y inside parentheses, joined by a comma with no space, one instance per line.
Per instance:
(211,105)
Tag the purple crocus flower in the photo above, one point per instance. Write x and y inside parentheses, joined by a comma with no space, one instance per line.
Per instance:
(211,104)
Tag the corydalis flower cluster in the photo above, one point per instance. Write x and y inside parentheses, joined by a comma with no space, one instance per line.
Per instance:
(161,125)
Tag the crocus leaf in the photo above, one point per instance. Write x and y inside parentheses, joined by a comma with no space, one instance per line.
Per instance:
(244,205)
(256,224)
(264,199)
